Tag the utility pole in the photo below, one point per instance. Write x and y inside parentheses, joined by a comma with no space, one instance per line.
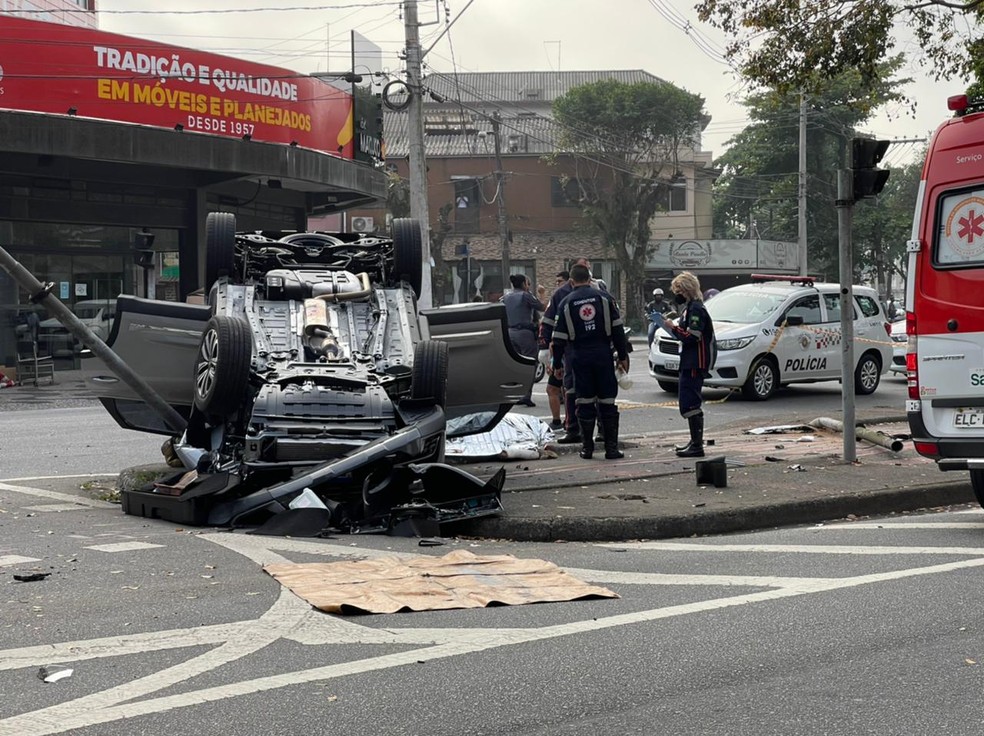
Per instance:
(801,199)
(500,196)
(418,164)
(845,211)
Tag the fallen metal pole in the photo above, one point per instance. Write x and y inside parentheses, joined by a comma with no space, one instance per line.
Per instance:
(40,294)
(862,433)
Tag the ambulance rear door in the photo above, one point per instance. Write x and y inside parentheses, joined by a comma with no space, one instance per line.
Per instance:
(946,285)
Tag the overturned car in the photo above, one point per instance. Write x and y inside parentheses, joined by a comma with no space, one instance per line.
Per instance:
(311,370)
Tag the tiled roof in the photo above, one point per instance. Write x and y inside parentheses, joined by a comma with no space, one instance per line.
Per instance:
(452,127)
(533,136)
(512,88)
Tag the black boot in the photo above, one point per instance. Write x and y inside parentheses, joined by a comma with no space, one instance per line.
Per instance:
(573,436)
(696,446)
(611,437)
(587,434)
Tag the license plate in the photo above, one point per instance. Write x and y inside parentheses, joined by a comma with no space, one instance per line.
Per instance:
(964,418)
(672,364)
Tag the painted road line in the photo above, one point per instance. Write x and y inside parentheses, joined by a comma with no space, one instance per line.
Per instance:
(123,547)
(8,560)
(814,549)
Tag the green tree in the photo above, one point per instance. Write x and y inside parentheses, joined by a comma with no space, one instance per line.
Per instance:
(625,140)
(781,44)
(756,193)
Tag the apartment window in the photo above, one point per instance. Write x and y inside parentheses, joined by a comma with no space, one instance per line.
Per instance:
(672,195)
(564,193)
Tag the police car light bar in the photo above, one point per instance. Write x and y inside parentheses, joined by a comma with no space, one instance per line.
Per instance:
(758,278)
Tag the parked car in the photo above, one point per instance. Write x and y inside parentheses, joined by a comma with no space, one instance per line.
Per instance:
(310,366)
(55,340)
(900,341)
(778,330)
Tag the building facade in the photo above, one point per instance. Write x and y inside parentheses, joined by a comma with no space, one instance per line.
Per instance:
(99,157)
(70,12)
(538,197)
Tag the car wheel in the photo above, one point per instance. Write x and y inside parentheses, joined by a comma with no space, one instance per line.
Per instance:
(429,379)
(408,259)
(222,366)
(977,483)
(541,371)
(762,382)
(867,375)
(220,246)
(669,386)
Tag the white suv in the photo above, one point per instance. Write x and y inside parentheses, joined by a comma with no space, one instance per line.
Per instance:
(780,330)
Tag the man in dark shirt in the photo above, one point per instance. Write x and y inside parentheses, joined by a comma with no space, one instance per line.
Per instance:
(573,435)
(589,323)
(522,313)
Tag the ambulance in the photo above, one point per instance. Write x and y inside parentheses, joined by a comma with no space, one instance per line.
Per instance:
(945,298)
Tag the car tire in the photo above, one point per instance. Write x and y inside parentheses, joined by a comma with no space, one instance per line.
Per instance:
(222,366)
(867,375)
(540,372)
(220,246)
(429,378)
(977,483)
(408,253)
(762,381)
(669,386)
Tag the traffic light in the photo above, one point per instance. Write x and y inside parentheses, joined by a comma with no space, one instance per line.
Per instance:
(866,153)
(143,249)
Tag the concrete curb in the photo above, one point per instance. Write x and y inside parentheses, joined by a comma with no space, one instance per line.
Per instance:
(593,529)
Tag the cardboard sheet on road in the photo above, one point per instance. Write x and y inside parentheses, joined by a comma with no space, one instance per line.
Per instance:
(459,579)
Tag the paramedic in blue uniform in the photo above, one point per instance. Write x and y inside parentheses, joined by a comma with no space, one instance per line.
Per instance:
(695,331)
(573,435)
(523,313)
(588,327)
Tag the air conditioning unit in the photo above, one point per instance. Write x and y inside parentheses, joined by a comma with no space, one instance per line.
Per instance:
(363,225)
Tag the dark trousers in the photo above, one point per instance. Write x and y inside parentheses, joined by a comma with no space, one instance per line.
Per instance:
(595,385)
(691,383)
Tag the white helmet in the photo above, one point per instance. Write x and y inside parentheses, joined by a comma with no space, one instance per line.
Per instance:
(657,292)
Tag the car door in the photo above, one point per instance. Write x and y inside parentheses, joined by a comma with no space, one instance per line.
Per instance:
(801,349)
(159,341)
(485,373)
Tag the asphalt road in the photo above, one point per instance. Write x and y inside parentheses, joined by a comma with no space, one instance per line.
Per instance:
(870,627)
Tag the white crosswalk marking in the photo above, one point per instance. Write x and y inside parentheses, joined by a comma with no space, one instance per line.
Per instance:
(8,560)
(122,546)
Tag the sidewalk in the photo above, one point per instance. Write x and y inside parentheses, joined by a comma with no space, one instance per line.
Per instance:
(772,480)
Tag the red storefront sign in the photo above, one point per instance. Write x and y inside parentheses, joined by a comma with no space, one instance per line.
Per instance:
(54,68)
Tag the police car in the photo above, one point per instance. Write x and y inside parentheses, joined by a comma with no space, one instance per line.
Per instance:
(780,330)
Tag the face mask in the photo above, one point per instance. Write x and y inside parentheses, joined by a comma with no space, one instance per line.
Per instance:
(679,298)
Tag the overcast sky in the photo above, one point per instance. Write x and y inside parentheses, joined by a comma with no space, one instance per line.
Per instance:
(499,35)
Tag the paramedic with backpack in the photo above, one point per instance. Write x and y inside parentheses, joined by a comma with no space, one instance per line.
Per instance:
(695,332)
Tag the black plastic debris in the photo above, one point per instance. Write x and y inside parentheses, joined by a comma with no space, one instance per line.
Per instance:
(431,542)
(712,470)
(308,522)
(30,577)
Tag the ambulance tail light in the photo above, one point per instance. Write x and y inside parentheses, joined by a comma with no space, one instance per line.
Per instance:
(911,353)
(927,449)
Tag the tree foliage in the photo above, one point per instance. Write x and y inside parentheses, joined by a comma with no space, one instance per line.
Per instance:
(797,44)
(756,194)
(626,139)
